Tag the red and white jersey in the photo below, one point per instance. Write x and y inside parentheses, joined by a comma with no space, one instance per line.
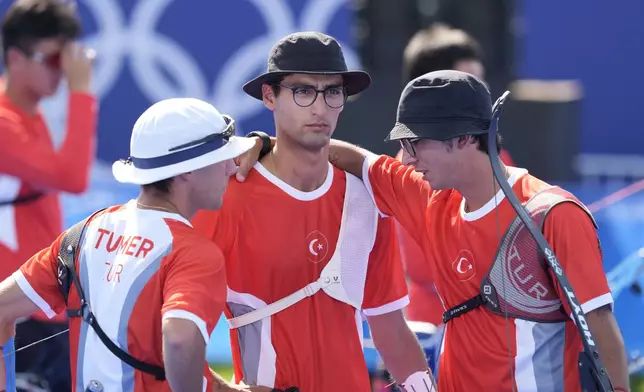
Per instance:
(277,240)
(459,248)
(136,267)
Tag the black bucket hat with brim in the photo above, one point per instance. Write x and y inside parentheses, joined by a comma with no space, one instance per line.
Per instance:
(308,53)
(442,105)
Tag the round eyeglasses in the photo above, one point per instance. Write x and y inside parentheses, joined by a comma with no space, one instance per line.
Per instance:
(304,96)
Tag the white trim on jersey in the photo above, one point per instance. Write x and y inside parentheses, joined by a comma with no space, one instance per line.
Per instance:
(370,160)
(9,190)
(185,315)
(29,291)
(526,346)
(596,303)
(388,308)
(515,175)
(267,370)
(296,193)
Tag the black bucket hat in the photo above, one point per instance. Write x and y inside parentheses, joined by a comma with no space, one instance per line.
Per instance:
(308,53)
(442,105)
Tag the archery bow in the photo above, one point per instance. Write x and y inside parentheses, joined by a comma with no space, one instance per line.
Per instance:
(593,374)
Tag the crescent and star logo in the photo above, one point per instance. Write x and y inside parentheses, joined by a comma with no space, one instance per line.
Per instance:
(463,266)
(317,247)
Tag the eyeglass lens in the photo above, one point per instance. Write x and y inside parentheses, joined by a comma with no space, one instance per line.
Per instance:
(335,96)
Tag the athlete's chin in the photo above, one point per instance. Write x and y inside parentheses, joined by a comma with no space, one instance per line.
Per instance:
(51,88)
(433,182)
(48,91)
(316,142)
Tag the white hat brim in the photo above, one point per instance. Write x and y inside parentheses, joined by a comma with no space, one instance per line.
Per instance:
(125,172)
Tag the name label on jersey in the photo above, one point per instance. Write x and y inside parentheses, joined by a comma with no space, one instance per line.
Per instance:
(133,245)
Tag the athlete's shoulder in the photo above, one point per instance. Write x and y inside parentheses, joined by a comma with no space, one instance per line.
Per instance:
(104,212)
(340,175)
(8,111)
(186,239)
(525,184)
(572,207)
(530,185)
(239,192)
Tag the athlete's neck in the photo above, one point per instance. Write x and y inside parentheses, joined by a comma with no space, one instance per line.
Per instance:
(152,200)
(304,170)
(19,96)
(479,186)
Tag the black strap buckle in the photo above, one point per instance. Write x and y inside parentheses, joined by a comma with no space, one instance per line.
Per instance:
(82,312)
(463,308)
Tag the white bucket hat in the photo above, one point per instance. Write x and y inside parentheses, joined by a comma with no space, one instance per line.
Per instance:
(176,136)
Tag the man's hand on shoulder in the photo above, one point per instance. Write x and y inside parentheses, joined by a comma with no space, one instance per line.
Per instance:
(246,161)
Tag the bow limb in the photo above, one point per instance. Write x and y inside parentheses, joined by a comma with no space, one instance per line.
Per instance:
(593,374)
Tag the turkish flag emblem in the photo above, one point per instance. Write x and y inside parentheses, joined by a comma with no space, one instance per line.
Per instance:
(463,266)
(317,247)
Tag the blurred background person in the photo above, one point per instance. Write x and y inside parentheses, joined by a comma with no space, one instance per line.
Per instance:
(38,51)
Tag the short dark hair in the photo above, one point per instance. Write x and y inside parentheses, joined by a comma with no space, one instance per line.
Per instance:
(436,48)
(28,21)
(481,141)
(161,187)
(275,84)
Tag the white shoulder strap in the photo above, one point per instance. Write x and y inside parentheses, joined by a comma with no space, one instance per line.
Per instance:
(344,276)
(275,307)
(348,266)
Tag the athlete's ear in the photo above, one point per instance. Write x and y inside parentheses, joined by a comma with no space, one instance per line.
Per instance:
(268,96)
(463,141)
(184,176)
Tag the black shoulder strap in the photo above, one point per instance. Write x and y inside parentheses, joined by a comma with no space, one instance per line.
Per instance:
(67,276)
(23,199)
(66,262)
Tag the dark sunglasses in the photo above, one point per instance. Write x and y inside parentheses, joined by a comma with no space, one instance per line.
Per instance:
(50,60)
(225,135)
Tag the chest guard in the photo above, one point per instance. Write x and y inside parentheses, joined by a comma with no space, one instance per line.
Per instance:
(343,278)
(519,284)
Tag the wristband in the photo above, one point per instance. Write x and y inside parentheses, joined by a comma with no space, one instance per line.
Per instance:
(620,389)
(419,382)
(266,142)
